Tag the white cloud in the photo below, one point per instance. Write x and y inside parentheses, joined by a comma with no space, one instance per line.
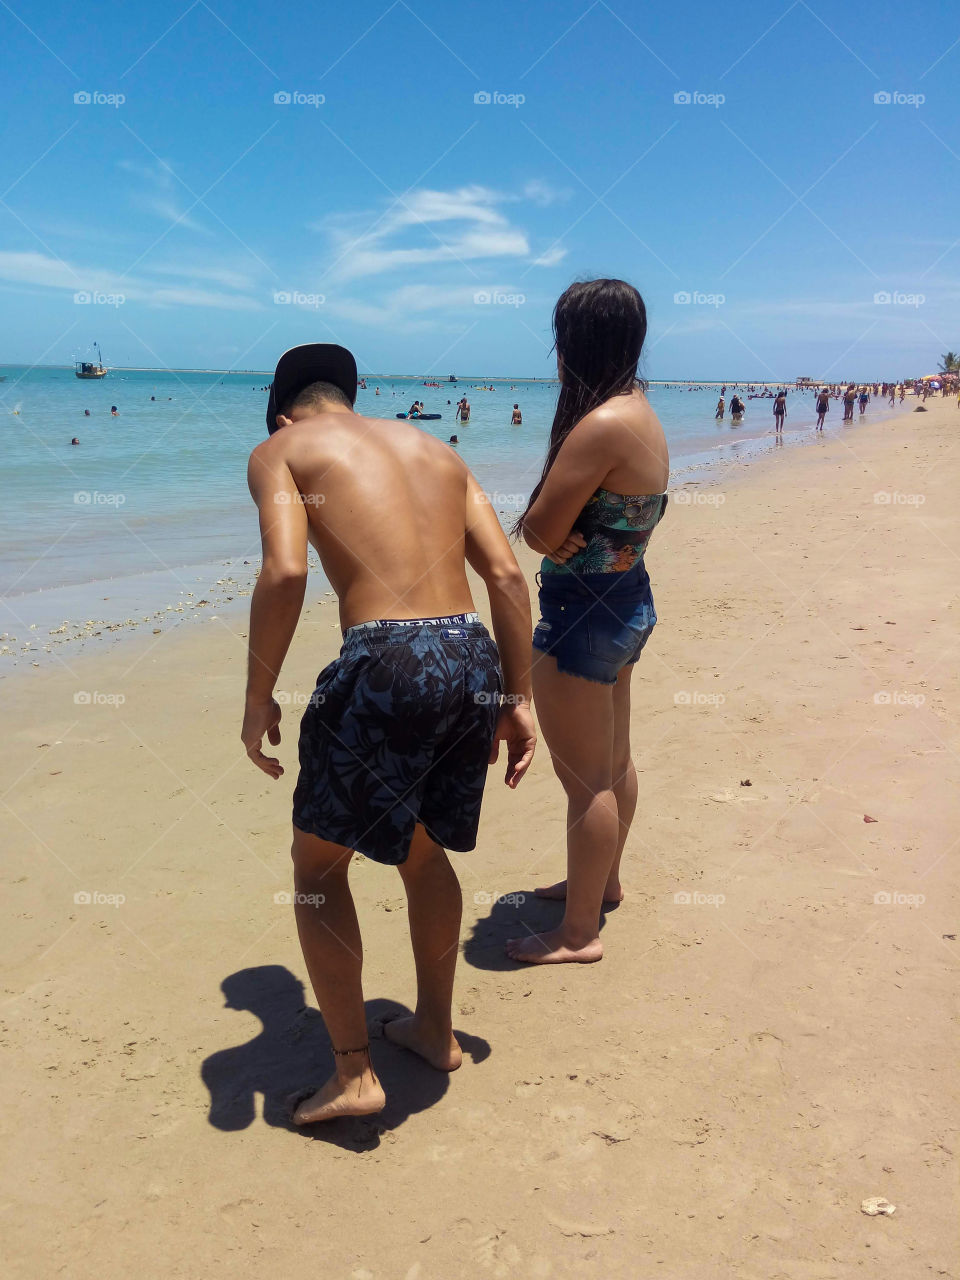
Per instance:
(542,193)
(39,270)
(551,257)
(160,194)
(427,227)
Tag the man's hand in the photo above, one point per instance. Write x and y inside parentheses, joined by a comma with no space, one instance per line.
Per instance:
(573,543)
(515,728)
(262,719)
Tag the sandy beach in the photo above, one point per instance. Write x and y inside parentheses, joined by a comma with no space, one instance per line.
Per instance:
(766,1043)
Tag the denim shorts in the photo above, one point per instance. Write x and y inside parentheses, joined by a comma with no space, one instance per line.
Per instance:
(595,624)
(398,731)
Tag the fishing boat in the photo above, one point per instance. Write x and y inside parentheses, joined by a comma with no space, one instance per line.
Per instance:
(451,378)
(87,369)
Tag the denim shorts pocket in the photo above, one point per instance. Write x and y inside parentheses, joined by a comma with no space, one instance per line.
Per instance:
(611,639)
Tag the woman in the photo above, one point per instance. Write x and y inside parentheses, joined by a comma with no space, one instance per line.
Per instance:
(591,515)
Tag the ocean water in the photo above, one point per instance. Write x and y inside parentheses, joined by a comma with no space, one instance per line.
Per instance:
(153,503)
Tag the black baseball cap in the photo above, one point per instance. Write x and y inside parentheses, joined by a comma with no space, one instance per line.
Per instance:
(313,362)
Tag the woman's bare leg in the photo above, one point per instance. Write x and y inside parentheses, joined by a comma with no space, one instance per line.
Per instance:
(624,789)
(577,718)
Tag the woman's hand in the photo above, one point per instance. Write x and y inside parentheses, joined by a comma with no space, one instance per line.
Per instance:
(574,542)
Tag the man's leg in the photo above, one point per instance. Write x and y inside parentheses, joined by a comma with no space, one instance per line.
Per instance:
(332,948)
(434,906)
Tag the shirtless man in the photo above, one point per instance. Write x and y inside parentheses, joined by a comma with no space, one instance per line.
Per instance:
(395,741)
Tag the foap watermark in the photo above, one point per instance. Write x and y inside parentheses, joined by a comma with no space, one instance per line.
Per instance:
(284,698)
(94,698)
(484,899)
(894,98)
(894,498)
(494,98)
(897,298)
(94,898)
(94,98)
(686,498)
(294,298)
(290,897)
(694,98)
(694,898)
(691,698)
(686,298)
(484,699)
(898,698)
(296,98)
(285,499)
(94,498)
(497,499)
(493,298)
(91,297)
(893,898)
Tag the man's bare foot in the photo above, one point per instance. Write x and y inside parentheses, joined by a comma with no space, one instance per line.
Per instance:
(356,1096)
(440,1049)
(553,948)
(612,894)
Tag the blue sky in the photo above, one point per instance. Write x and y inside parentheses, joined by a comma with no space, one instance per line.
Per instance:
(233,225)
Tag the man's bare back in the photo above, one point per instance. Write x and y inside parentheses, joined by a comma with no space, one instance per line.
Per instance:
(386,508)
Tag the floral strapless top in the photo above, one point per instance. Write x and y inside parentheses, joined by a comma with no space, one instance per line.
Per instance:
(617,528)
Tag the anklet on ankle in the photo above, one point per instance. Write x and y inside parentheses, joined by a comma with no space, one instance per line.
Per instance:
(344,1053)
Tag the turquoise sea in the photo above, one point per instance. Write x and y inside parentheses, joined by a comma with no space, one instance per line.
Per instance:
(153,503)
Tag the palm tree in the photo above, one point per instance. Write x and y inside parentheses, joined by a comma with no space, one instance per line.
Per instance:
(950,363)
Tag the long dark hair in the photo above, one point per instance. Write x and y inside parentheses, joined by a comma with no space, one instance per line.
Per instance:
(599,327)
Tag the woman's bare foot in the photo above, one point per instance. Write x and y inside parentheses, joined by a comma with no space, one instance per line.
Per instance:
(553,948)
(439,1048)
(612,894)
(356,1096)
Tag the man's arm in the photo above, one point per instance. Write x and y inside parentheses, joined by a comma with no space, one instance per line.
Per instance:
(277,597)
(490,554)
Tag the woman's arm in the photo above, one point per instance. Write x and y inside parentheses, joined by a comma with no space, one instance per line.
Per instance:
(586,457)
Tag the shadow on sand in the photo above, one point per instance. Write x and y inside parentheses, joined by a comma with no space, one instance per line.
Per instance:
(513,915)
(293,1051)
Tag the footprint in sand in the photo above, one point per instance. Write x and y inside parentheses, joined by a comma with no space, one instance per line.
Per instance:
(765,1050)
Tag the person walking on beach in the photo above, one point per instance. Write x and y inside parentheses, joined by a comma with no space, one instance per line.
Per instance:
(849,396)
(779,411)
(591,515)
(395,741)
(863,400)
(823,406)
